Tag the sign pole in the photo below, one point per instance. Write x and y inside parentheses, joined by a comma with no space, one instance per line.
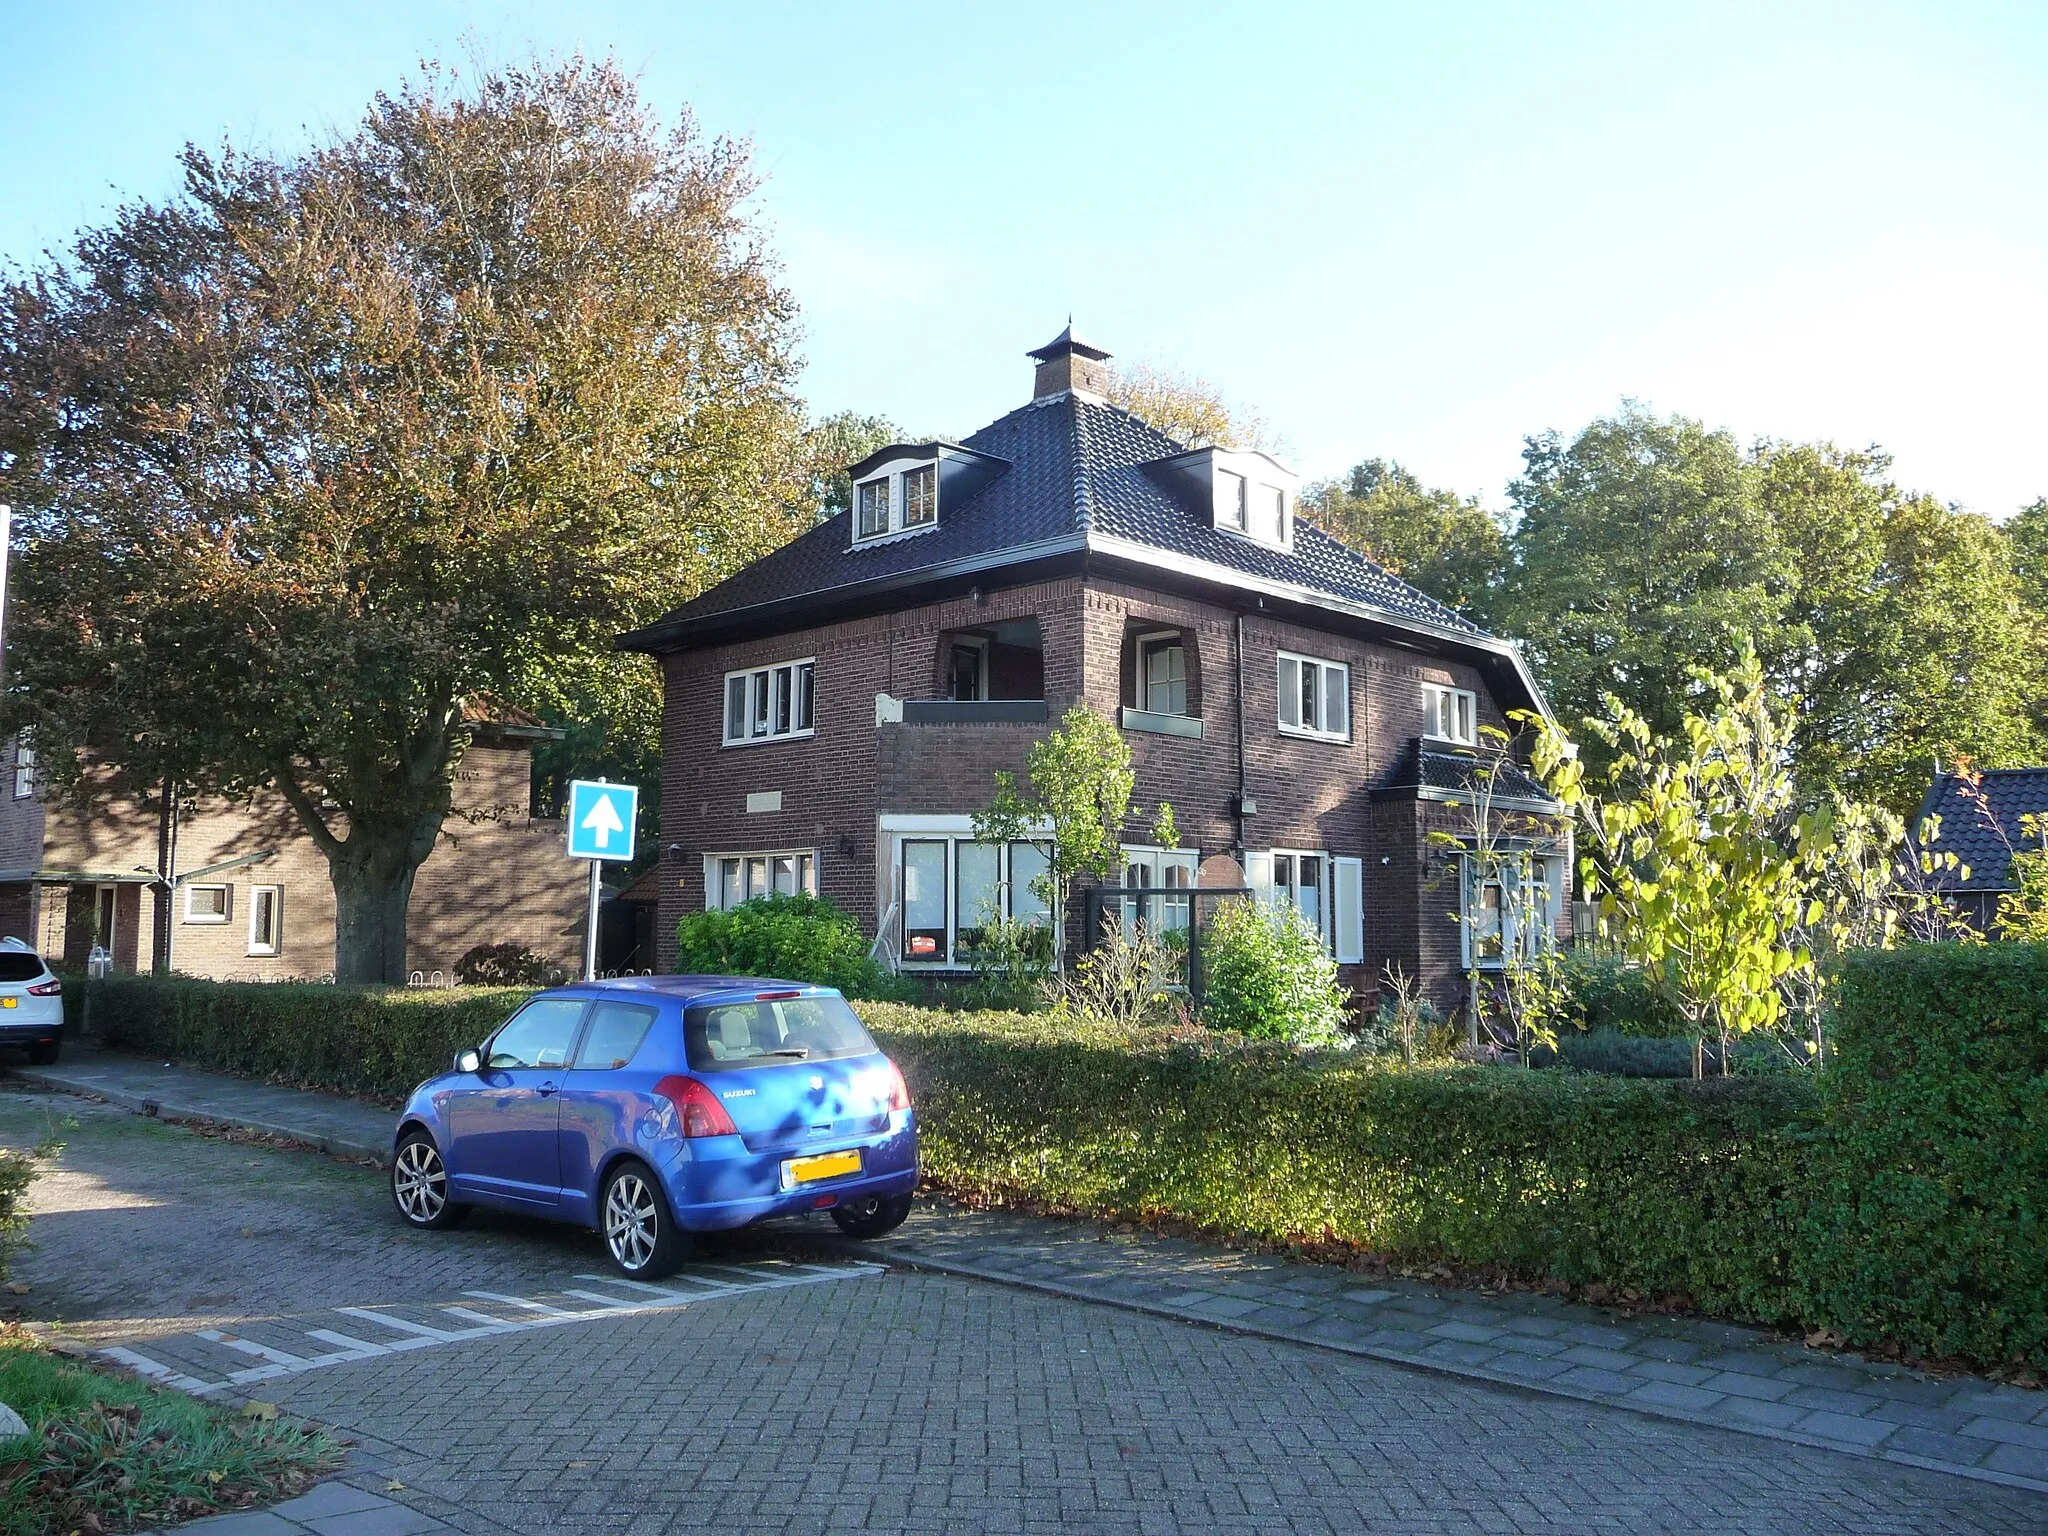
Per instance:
(600,827)
(590,928)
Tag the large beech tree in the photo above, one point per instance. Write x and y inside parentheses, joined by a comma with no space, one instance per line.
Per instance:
(332,451)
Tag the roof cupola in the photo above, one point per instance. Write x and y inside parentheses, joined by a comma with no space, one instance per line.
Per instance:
(1069,363)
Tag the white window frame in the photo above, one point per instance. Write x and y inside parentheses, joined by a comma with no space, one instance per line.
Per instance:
(227,903)
(892,478)
(1147,646)
(1018,900)
(1251,495)
(805,873)
(1161,868)
(24,767)
(1540,876)
(1261,876)
(1459,705)
(769,684)
(257,893)
(1316,732)
(979,644)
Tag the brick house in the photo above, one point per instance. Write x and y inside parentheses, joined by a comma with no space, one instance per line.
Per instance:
(837,710)
(253,900)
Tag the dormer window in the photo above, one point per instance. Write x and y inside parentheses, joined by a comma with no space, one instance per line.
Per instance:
(1239,491)
(1230,501)
(871,517)
(921,496)
(1450,714)
(902,498)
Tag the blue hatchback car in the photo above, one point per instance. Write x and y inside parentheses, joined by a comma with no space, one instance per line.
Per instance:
(654,1107)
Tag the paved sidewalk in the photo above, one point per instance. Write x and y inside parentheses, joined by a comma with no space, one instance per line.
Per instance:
(328,1121)
(1720,1374)
(334,1508)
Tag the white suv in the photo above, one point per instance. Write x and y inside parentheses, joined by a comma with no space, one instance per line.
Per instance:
(31,1003)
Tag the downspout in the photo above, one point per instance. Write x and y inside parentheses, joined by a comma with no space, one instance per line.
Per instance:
(1237,805)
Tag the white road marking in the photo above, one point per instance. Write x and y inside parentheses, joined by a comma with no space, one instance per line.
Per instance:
(404,1325)
(523,1304)
(412,1335)
(156,1370)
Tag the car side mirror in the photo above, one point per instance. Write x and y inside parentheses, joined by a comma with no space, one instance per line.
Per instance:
(468,1061)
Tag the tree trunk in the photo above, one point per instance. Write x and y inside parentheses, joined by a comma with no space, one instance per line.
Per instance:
(373,874)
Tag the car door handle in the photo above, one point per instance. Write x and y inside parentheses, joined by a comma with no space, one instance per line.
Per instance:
(545,1089)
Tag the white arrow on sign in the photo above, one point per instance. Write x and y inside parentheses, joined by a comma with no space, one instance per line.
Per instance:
(603,819)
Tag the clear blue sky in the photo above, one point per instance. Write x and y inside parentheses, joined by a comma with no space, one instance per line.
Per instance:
(1420,231)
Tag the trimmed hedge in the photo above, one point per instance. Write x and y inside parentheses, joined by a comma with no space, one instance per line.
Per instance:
(374,1042)
(1931,1223)
(1897,1197)
(1662,1186)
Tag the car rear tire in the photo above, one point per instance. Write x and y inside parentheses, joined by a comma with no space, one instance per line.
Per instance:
(872,1217)
(640,1234)
(44,1053)
(419,1184)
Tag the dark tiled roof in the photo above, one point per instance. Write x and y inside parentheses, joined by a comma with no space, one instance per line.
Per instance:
(1463,773)
(1983,833)
(1074,475)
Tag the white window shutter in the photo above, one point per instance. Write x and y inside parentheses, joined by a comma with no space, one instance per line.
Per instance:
(1348,910)
(1258,874)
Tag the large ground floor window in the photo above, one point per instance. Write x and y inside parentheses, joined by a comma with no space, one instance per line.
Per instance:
(945,886)
(1510,904)
(731,878)
(1328,891)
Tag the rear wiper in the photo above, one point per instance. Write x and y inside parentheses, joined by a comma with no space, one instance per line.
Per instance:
(798,1051)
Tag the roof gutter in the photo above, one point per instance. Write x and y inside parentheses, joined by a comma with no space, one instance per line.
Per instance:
(1287,591)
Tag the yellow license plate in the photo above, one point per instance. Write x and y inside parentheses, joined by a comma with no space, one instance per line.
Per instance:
(826,1165)
(10,1002)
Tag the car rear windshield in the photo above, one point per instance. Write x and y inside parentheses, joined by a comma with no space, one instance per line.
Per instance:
(771,1032)
(15,966)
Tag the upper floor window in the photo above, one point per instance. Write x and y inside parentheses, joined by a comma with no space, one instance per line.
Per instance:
(771,703)
(1162,675)
(1315,697)
(920,496)
(1450,714)
(896,501)
(872,509)
(24,768)
(1231,507)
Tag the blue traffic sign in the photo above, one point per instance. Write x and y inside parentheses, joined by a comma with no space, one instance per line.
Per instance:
(601,819)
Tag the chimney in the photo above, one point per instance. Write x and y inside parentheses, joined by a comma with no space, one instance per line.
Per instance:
(1069,363)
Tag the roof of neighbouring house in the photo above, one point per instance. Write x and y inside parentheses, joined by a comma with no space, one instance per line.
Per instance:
(1066,477)
(1980,823)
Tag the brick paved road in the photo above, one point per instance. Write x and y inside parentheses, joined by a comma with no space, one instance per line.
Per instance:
(908,1402)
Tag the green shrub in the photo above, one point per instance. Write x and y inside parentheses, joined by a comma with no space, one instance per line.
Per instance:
(1930,1222)
(1267,975)
(789,938)
(1621,1055)
(1607,992)
(372,1041)
(18,1170)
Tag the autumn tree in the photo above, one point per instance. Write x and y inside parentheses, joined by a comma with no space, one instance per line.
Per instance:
(334,450)
(1187,408)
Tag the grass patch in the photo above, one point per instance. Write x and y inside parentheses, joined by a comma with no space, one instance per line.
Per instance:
(110,1453)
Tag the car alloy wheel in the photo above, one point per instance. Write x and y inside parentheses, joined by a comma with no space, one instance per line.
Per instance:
(632,1224)
(640,1235)
(419,1184)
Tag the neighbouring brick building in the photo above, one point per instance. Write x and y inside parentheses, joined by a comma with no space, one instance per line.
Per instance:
(837,710)
(253,900)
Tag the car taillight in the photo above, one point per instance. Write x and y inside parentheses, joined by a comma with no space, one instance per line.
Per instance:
(899,1091)
(51,988)
(697,1107)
